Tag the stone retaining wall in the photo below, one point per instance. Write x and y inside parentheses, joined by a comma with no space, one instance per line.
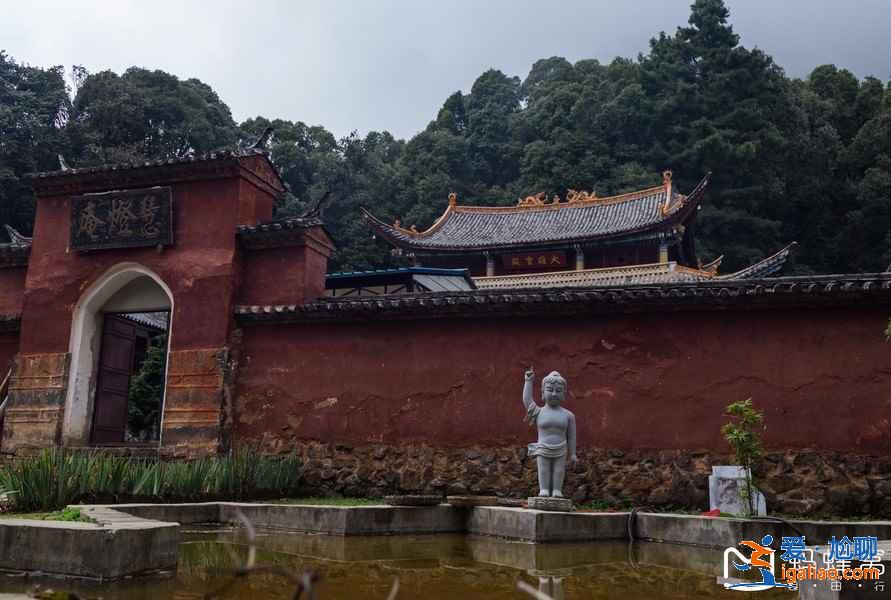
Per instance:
(795,482)
(125,540)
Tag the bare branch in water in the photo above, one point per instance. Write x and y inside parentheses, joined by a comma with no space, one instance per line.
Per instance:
(394,590)
(525,587)
(251,534)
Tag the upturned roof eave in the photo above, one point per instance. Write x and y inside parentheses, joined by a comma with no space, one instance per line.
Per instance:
(764,267)
(404,242)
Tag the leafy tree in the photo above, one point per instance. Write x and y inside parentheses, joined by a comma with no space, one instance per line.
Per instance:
(453,115)
(34,109)
(493,101)
(720,107)
(146,114)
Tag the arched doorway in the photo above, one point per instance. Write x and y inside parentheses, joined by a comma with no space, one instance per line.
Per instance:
(120,337)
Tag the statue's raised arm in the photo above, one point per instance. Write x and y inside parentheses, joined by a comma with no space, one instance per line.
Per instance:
(529,379)
(532,409)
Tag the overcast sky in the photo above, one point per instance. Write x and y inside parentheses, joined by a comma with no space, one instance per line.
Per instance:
(386,64)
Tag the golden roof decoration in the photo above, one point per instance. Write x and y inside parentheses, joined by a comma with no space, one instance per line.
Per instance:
(536,200)
(573,196)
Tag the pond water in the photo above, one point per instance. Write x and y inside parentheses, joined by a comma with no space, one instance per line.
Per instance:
(427,567)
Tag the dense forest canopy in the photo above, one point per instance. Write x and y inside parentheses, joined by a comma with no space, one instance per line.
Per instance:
(792,159)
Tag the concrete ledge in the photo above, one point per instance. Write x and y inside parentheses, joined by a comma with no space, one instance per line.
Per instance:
(354,520)
(721,532)
(116,546)
(184,514)
(546,526)
(129,539)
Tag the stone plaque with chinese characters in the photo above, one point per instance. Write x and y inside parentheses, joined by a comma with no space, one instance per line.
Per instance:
(122,219)
(535,260)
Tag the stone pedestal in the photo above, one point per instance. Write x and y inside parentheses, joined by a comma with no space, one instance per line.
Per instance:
(549,503)
(726,486)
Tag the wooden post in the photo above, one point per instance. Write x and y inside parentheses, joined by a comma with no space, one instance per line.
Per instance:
(579,258)
(490,265)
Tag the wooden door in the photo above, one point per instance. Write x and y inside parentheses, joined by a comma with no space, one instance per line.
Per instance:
(113,380)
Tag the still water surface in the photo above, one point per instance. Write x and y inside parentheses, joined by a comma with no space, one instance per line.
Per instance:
(428,568)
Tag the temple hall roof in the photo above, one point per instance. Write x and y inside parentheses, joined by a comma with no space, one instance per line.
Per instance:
(581,217)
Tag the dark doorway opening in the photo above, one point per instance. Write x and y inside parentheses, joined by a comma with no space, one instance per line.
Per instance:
(130,378)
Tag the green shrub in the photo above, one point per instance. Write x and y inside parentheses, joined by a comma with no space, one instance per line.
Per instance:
(55,478)
(742,433)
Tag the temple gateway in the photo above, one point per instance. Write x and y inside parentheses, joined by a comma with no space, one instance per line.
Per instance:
(585,240)
(160,308)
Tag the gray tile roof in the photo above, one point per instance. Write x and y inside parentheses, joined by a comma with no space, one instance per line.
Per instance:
(286,231)
(155,320)
(475,228)
(16,251)
(10,323)
(764,267)
(124,166)
(867,289)
(277,225)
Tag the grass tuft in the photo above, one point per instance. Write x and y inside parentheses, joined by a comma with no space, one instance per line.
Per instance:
(66,514)
(56,477)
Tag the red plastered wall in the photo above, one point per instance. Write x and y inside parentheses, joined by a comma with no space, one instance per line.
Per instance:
(822,378)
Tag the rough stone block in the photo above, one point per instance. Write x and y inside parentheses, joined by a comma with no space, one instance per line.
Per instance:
(726,490)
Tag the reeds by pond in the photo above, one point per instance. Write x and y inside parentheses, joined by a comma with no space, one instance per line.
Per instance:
(54,478)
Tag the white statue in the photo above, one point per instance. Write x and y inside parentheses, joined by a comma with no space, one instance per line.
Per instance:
(556,432)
